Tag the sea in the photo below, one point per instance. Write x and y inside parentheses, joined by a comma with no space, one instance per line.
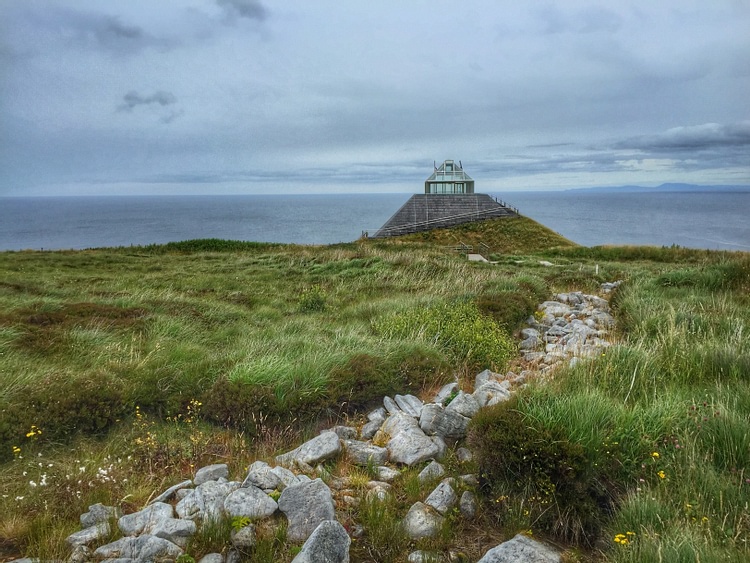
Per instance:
(694,219)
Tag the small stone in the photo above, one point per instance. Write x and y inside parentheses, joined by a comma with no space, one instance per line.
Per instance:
(144,520)
(345,432)
(521,548)
(410,404)
(250,502)
(322,447)
(443,498)
(422,521)
(211,473)
(98,513)
(468,505)
(244,538)
(329,543)
(436,420)
(261,475)
(421,556)
(464,404)
(170,492)
(364,453)
(212,558)
(464,455)
(390,405)
(144,548)
(445,392)
(431,472)
(89,535)
(306,505)
(385,473)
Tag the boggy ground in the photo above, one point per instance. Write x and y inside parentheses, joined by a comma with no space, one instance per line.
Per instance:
(121,370)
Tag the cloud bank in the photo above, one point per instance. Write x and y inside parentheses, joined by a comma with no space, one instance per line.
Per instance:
(231,95)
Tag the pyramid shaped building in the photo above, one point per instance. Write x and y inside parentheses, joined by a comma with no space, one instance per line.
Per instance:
(448,200)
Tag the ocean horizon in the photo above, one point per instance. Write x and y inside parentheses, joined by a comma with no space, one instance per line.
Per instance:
(714,220)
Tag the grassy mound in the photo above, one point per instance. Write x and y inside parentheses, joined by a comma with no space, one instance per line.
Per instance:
(512,235)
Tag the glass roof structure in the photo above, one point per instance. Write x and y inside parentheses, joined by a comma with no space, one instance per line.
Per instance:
(449,178)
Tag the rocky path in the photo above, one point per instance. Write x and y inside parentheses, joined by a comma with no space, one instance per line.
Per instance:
(405,431)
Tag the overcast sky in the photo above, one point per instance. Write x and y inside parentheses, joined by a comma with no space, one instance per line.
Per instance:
(249,96)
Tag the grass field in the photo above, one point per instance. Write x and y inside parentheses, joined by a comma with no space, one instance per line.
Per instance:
(123,369)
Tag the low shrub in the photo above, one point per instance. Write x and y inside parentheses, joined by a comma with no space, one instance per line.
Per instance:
(522,463)
(59,407)
(312,300)
(458,327)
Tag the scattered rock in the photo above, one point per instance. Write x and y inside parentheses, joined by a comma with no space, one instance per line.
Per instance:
(212,558)
(364,453)
(421,556)
(306,505)
(464,404)
(261,475)
(521,549)
(468,505)
(410,404)
(443,498)
(143,548)
(89,535)
(211,473)
(445,392)
(98,513)
(322,447)
(440,421)
(329,543)
(385,473)
(422,521)
(250,502)
(431,472)
(144,520)
(244,538)
(345,432)
(464,455)
(390,405)
(170,492)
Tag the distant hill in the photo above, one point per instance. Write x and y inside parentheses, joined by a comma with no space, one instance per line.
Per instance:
(670,187)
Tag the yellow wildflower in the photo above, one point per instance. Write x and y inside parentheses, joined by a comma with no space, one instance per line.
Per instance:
(655,455)
(661,474)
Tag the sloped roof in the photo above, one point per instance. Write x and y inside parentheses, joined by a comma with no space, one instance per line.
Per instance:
(449,171)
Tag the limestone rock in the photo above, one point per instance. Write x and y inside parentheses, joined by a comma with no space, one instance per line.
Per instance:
(390,405)
(385,473)
(485,393)
(468,505)
(306,505)
(364,453)
(442,498)
(250,502)
(261,475)
(244,538)
(445,392)
(345,432)
(175,530)
(211,473)
(464,455)
(169,493)
(421,556)
(322,447)
(143,548)
(329,543)
(464,404)
(443,422)
(521,549)
(212,558)
(144,520)
(431,472)
(410,404)
(98,513)
(422,521)
(286,477)
(89,535)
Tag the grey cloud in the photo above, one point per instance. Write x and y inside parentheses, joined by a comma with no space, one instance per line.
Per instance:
(251,9)
(590,20)
(133,99)
(695,137)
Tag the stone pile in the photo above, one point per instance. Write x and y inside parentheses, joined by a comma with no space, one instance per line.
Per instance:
(573,326)
(403,432)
